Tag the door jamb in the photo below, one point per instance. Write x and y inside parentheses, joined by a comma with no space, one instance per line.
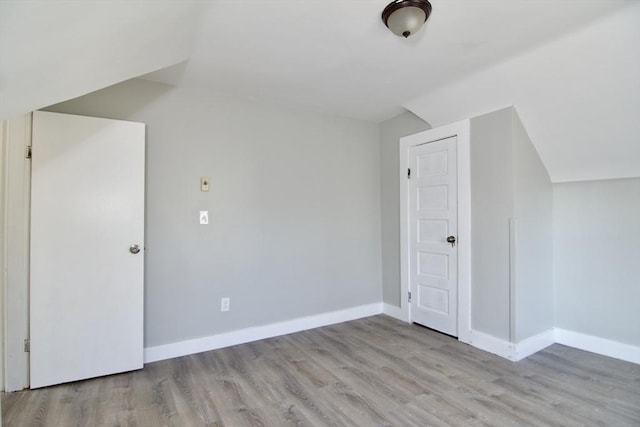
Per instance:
(461,130)
(17,169)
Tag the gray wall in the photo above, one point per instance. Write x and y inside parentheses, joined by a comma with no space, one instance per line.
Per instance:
(390,133)
(597,258)
(294,209)
(492,205)
(533,212)
(512,274)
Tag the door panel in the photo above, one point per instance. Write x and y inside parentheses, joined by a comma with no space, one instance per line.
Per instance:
(432,218)
(86,288)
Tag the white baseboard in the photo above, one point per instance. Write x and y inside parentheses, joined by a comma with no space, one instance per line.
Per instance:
(393,311)
(509,350)
(486,342)
(534,344)
(598,345)
(492,344)
(529,346)
(227,339)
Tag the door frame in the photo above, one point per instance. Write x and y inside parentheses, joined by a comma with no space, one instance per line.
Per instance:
(461,130)
(17,197)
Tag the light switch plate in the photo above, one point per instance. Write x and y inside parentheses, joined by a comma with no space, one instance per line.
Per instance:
(204,183)
(204,217)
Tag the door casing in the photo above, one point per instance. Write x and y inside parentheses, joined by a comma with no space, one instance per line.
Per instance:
(461,130)
(17,174)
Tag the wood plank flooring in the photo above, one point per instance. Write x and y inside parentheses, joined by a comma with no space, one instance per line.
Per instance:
(369,372)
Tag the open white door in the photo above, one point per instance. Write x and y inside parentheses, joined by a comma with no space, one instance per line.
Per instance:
(87,234)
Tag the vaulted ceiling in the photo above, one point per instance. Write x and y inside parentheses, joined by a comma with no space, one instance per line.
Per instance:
(569,66)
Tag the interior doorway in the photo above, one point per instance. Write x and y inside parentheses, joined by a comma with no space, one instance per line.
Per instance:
(431,263)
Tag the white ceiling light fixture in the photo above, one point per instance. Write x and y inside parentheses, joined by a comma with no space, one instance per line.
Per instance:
(405,17)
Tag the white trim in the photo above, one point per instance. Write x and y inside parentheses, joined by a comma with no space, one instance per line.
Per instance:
(462,131)
(509,350)
(531,345)
(3,247)
(394,311)
(227,339)
(598,345)
(534,344)
(464,229)
(16,235)
(513,238)
(492,344)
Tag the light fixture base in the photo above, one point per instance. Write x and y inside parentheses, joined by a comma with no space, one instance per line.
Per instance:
(405,17)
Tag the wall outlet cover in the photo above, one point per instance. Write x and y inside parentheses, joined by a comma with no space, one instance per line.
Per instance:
(204,217)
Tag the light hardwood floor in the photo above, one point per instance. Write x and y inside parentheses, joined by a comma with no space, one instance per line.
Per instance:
(369,372)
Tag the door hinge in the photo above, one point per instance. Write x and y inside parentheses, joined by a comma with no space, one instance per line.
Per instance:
(409,296)
(28,152)
(408,173)
(27,345)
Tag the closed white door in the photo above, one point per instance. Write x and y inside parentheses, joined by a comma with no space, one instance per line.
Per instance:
(433,218)
(87,234)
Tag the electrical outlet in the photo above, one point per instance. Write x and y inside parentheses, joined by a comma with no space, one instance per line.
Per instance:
(204,217)
(225,304)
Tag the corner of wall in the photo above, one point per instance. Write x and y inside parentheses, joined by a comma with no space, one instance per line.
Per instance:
(510,350)
(491,208)
(394,311)
(390,132)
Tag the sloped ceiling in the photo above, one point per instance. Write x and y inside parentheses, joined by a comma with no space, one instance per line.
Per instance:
(578,96)
(336,56)
(51,51)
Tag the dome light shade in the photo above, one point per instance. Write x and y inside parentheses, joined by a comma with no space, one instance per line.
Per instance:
(405,17)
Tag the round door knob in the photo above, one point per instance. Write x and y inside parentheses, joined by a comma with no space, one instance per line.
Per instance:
(452,240)
(134,249)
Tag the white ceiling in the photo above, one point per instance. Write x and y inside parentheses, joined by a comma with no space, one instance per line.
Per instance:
(51,51)
(337,56)
(333,56)
(578,96)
